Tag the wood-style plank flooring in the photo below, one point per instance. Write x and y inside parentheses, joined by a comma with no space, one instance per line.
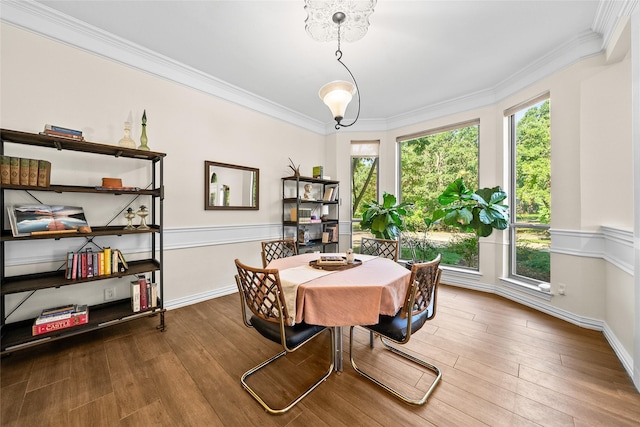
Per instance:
(503,364)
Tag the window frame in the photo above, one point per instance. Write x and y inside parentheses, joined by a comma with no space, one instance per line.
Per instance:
(510,117)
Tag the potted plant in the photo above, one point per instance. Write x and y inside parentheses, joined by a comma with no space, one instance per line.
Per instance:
(386,220)
(479,211)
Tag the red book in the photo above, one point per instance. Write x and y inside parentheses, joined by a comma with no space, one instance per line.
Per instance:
(144,301)
(83,255)
(75,320)
(74,268)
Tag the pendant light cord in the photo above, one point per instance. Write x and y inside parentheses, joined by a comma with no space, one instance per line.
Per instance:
(339,58)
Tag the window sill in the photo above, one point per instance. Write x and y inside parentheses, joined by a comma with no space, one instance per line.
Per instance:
(526,288)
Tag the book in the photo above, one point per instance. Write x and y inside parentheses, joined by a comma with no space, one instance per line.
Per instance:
(328,194)
(33,172)
(77,318)
(29,220)
(44,173)
(63,135)
(135,296)
(5,170)
(123,262)
(317,172)
(53,311)
(107,260)
(14,169)
(69,266)
(101,263)
(74,268)
(114,261)
(89,255)
(24,171)
(69,131)
(83,264)
(332,260)
(154,295)
(144,303)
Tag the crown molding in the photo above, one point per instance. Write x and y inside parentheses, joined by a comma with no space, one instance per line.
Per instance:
(40,19)
(48,22)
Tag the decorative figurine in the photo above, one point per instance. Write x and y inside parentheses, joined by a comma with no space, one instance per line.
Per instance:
(126,141)
(129,215)
(142,213)
(296,170)
(307,192)
(143,136)
(350,256)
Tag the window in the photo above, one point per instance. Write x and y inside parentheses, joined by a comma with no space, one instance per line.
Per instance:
(364,184)
(530,173)
(429,161)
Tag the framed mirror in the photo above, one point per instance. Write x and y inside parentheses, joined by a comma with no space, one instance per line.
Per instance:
(230,187)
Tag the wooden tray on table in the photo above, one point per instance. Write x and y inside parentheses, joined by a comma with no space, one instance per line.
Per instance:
(334,267)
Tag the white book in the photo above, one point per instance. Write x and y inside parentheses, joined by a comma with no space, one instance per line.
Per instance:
(135,296)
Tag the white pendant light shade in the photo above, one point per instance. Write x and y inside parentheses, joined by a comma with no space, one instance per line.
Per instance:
(337,95)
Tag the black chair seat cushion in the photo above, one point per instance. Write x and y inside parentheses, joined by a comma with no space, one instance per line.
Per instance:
(296,334)
(395,327)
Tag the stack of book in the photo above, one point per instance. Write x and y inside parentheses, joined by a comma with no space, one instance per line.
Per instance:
(60,132)
(81,265)
(57,318)
(25,172)
(144,294)
(332,260)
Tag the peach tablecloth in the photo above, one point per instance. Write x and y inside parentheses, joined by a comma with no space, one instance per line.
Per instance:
(350,297)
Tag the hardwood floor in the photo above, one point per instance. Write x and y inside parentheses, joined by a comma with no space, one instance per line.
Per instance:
(503,364)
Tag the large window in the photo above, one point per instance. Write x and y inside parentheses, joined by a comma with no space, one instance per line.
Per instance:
(530,142)
(429,161)
(364,185)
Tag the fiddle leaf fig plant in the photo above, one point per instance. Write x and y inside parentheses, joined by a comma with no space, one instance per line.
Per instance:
(386,220)
(480,211)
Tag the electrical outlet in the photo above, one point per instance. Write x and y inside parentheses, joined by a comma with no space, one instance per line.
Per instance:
(562,289)
(109,294)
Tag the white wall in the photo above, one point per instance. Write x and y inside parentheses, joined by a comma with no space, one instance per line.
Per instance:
(44,81)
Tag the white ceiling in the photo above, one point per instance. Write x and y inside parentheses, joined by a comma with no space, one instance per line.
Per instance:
(417,57)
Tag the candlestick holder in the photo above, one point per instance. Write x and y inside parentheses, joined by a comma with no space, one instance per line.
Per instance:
(143,213)
(129,215)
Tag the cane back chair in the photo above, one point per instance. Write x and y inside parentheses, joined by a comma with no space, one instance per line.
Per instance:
(379,247)
(275,249)
(261,291)
(419,306)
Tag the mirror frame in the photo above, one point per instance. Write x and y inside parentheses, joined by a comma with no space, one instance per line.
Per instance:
(207,186)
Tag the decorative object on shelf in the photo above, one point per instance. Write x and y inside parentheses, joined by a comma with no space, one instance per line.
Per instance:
(129,215)
(294,168)
(348,20)
(143,136)
(350,256)
(317,172)
(303,236)
(126,141)
(33,220)
(142,213)
(307,192)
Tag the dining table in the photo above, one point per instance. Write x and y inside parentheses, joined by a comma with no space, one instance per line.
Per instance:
(341,295)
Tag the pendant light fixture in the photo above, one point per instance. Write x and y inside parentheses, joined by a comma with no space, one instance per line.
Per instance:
(349,19)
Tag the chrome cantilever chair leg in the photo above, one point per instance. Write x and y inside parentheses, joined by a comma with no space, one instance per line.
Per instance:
(312,387)
(390,389)
(419,307)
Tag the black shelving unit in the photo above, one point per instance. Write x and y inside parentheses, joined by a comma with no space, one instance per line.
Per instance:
(293,200)
(17,335)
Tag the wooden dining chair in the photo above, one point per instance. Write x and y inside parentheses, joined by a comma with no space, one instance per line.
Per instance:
(275,249)
(380,247)
(261,291)
(419,307)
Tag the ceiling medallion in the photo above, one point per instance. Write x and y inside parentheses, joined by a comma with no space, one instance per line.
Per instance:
(321,27)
